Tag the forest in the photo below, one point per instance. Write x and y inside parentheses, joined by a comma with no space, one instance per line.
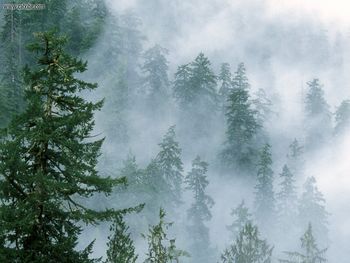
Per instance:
(165,132)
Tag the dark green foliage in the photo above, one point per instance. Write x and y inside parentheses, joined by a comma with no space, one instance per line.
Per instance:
(264,201)
(158,249)
(311,252)
(199,211)
(225,78)
(248,248)
(312,209)
(194,82)
(155,69)
(48,161)
(342,118)
(120,245)
(318,116)
(242,125)
(241,217)
(171,167)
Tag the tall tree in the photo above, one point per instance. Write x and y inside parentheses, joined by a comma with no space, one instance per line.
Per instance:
(312,210)
(155,69)
(263,106)
(199,211)
(241,217)
(225,78)
(248,248)
(264,201)
(287,202)
(158,250)
(311,254)
(318,116)
(242,125)
(295,158)
(342,118)
(54,165)
(120,245)
(170,164)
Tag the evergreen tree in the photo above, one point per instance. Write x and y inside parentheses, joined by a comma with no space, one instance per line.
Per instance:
(318,116)
(158,250)
(199,211)
(242,217)
(312,254)
(264,196)
(312,210)
(155,68)
(225,78)
(248,248)
(120,244)
(262,104)
(54,164)
(295,161)
(242,125)
(287,202)
(342,118)
(170,164)
(182,89)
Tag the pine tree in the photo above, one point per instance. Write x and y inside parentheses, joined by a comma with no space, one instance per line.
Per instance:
(264,201)
(312,254)
(199,211)
(155,69)
(263,106)
(248,248)
(158,250)
(295,161)
(342,118)
(170,164)
(312,210)
(225,78)
(120,244)
(318,116)
(242,125)
(242,217)
(55,163)
(287,202)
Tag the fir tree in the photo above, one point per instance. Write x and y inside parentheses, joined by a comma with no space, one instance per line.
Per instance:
(225,78)
(287,201)
(295,161)
(318,116)
(158,249)
(170,164)
(264,196)
(312,210)
(242,125)
(242,217)
(120,244)
(248,248)
(342,118)
(262,104)
(199,211)
(312,254)
(155,69)
(54,164)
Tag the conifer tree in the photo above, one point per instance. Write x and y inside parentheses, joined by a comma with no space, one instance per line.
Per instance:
(295,161)
(264,201)
(54,165)
(248,248)
(225,78)
(158,249)
(171,167)
(242,125)
(311,252)
(242,217)
(199,211)
(155,69)
(120,244)
(312,210)
(318,116)
(342,118)
(263,106)
(287,201)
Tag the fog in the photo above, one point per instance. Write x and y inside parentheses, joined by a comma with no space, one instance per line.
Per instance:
(284,44)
